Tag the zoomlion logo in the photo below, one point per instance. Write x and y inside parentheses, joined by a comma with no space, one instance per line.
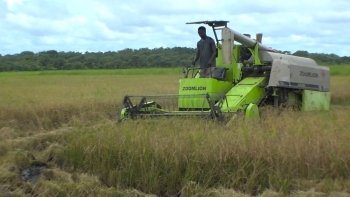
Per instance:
(308,74)
(194,88)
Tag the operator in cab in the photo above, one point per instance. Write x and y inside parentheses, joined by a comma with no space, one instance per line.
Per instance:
(206,53)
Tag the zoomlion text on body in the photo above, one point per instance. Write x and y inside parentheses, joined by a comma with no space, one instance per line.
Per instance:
(194,88)
(308,74)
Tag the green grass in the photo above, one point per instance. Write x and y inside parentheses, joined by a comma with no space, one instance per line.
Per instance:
(140,71)
(340,70)
(335,71)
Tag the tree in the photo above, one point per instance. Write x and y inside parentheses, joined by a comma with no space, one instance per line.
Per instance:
(127,58)
(301,53)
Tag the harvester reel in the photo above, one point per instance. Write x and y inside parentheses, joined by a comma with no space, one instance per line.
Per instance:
(142,109)
(130,110)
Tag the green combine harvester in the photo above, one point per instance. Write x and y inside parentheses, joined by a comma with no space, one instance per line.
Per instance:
(247,76)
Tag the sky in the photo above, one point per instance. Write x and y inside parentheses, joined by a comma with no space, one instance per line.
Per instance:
(321,26)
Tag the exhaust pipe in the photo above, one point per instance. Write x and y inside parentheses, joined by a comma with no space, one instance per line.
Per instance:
(259,37)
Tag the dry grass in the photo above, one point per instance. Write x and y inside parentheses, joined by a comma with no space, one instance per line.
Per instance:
(48,102)
(340,91)
(69,123)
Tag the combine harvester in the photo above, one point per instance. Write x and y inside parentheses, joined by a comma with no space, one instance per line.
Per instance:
(247,76)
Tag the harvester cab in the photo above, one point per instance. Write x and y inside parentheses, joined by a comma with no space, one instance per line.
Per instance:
(247,76)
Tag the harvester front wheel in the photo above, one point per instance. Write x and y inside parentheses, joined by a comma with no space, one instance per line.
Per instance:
(252,111)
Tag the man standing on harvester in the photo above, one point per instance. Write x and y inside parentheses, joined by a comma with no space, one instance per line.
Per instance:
(206,53)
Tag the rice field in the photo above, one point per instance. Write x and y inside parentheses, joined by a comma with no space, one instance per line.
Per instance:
(65,123)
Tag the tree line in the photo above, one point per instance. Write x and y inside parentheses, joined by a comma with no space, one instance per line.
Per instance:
(127,58)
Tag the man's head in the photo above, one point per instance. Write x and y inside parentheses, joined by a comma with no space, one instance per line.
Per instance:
(202,32)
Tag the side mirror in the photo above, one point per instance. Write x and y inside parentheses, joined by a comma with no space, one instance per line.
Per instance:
(217,51)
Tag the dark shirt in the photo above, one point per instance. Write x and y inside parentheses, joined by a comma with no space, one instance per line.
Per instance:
(205,52)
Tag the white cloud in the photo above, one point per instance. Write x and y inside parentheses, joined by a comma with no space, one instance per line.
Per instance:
(111,25)
(297,37)
(49,40)
(12,3)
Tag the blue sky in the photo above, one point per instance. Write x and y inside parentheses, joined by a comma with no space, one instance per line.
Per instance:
(320,26)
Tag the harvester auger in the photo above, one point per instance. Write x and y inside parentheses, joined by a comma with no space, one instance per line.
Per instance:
(247,76)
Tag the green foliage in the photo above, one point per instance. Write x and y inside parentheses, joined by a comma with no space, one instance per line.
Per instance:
(301,53)
(124,59)
(324,59)
(127,58)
